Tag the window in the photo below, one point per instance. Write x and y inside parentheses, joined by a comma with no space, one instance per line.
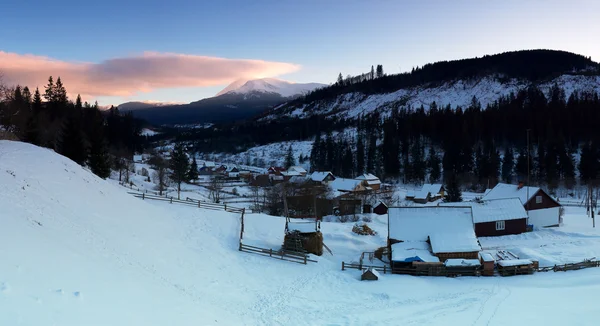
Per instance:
(499,225)
(538,199)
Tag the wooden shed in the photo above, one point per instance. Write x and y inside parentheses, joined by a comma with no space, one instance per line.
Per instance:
(369,274)
(488,262)
(380,209)
(515,267)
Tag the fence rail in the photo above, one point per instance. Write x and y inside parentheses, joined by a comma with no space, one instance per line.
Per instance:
(190,202)
(277,254)
(570,266)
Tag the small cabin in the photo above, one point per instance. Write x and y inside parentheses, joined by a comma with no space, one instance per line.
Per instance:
(380,209)
(369,274)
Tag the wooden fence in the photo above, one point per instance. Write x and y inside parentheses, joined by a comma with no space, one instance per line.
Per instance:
(191,202)
(571,266)
(291,256)
(426,271)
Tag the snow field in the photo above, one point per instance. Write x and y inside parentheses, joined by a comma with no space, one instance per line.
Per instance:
(77,250)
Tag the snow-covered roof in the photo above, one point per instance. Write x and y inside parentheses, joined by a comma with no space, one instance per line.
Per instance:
(418,223)
(503,190)
(372,270)
(343,184)
(458,240)
(298,169)
(413,251)
(514,262)
(494,210)
(427,189)
(462,262)
(290,173)
(370,178)
(319,176)
(302,227)
(486,256)
(209,164)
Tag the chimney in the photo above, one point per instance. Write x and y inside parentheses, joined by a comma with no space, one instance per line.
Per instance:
(521,184)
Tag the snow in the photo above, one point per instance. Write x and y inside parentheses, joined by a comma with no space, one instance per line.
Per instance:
(269,85)
(298,169)
(302,227)
(418,223)
(503,190)
(413,251)
(486,257)
(341,184)
(514,262)
(494,210)
(78,250)
(149,132)
(461,262)
(427,189)
(372,270)
(319,176)
(457,240)
(455,93)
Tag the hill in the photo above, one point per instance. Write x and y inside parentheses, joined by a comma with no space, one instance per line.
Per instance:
(78,250)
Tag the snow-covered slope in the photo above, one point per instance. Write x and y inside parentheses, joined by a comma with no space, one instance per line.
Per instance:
(456,93)
(269,85)
(78,250)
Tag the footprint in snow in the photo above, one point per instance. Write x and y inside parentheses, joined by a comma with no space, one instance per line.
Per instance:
(59,291)
(77,294)
(4,288)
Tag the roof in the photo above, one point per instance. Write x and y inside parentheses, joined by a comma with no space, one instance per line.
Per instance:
(418,223)
(302,227)
(486,256)
(463,240)
(462,262)
(343,184)
(514,262)
(277,168)
(413,251)
(428,189)
(370,178)
(290,173)
(494,210)
(209,164)
(372,270)
(503,190)
(319,176)
(297,168)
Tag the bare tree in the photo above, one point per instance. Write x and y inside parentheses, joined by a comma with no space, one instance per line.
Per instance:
(160,175)
(215,186)
(256,198)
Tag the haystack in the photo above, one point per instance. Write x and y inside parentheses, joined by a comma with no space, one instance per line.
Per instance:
(311,243)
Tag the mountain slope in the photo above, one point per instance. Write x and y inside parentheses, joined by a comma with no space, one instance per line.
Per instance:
(131,106)
(270,85)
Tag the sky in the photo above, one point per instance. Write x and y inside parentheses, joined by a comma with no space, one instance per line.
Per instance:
(183,51)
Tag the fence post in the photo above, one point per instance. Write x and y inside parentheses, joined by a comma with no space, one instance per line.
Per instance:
(198,204)
(271,252)
(305,259)
(171,200)
(342,265)
(143,196)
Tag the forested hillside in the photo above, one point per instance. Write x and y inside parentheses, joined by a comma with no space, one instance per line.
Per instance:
(479,144)
(79,131)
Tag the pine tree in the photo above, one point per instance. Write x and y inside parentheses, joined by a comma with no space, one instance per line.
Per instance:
(360,155)
(494,167)
(193,172)
(540,164)
(49,91)
(60,93)
(70,142)
(289,158)
(371,153)
(453,192)
(551,163)
(379,71)
(99,159)
(521,166)
(78,104)
(179,166)
(433,165)
(418,166)
(315,154)
(347,162)
(588,164)
(340,80)
(372,74)
(508,163)
(566,167)
(36,105)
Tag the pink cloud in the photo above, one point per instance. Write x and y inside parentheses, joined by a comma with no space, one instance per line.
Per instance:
(131,75)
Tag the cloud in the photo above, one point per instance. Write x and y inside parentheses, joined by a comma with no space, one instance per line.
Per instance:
(128,76)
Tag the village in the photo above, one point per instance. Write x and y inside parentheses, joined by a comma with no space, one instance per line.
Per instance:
(424,234)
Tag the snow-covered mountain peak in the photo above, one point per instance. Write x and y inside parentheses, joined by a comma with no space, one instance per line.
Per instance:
(269,85)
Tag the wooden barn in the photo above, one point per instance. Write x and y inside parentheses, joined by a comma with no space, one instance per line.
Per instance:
(429,193)
(543,210)
(496,217)
(380,209)
(303,235)
(430,234)
(370,180)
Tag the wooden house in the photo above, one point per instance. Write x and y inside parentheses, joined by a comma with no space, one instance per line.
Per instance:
(422,233)
(380,209)
(542,210)
(298,169)
(233,172)
(429,193)
(275,170)
(261,180)
(369,180)
(322,177)
(496,217)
